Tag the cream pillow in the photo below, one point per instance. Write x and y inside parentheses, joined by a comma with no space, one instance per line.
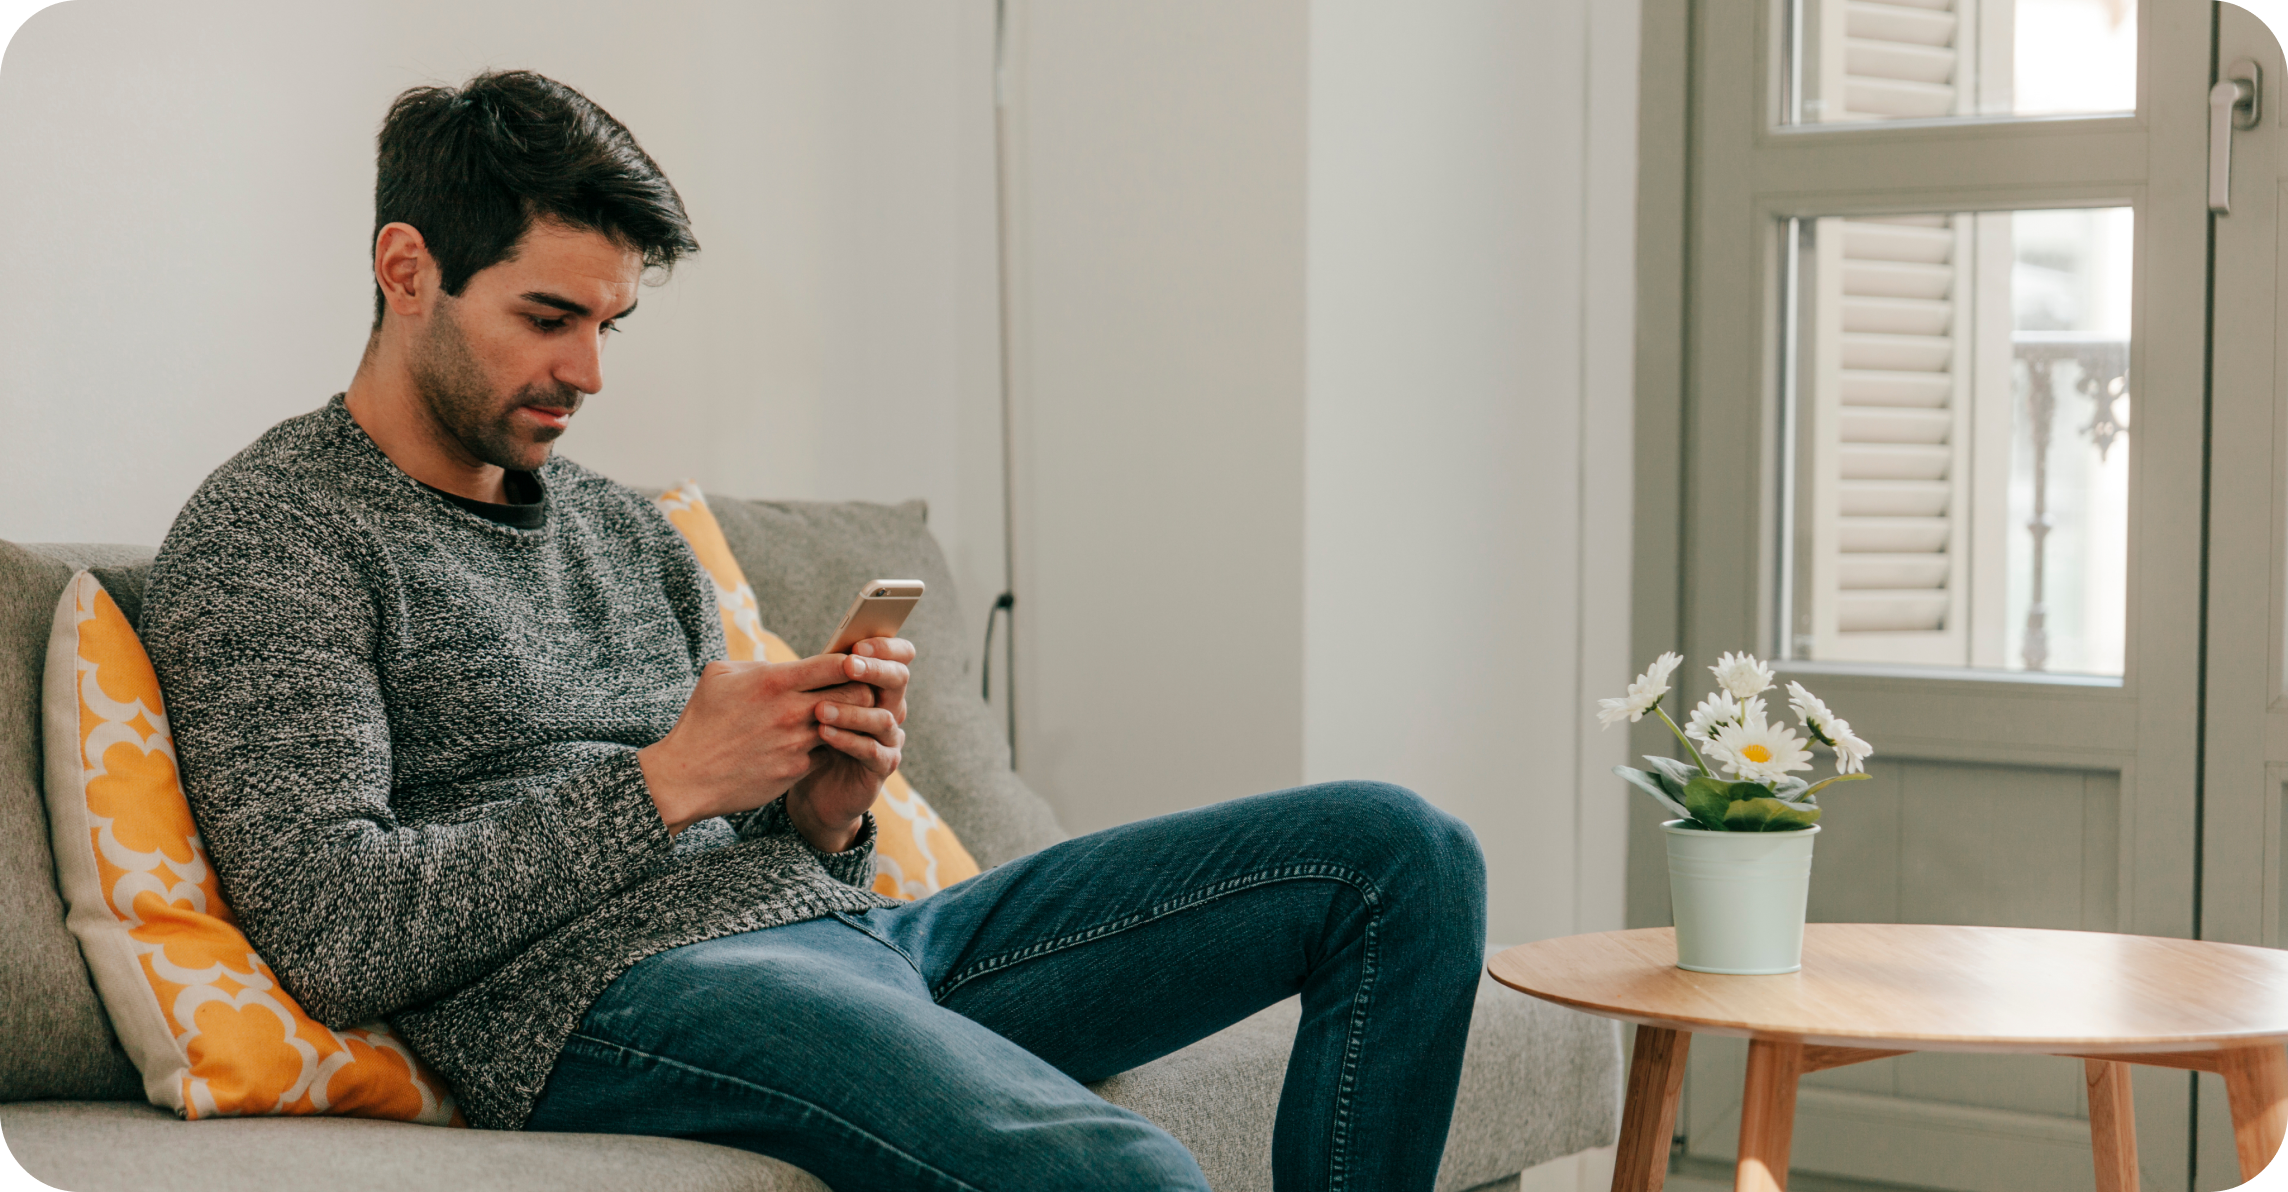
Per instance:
(915,853)
(201,1015)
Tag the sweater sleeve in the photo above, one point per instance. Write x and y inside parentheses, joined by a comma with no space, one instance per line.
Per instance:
(853,866)
(262,620)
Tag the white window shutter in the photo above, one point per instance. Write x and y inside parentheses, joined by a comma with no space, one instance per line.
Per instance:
(1889,434)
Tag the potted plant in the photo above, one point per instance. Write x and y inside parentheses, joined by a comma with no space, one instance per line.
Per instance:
(1739,845)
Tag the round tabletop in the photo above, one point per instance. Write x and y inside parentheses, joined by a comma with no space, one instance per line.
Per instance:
(1932,988)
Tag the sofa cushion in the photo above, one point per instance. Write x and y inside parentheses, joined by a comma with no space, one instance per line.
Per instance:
(804,560)
(125,1147)
(54,1038)
(1539,1082)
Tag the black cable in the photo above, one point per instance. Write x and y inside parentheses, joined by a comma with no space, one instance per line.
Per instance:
(1006,602)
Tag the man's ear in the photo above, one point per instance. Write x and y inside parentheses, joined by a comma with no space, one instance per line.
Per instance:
(403,268)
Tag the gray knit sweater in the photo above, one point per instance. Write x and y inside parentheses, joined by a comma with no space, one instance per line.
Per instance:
(408,735)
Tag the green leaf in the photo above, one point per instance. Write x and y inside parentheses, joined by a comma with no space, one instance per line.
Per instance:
(1768,815)
(1750,790)
(1796,815)
(1812,794)
(1673,773)
(1653,785)
(1708,800)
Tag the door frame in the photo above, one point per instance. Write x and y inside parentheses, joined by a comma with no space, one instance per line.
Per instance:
(1715,178)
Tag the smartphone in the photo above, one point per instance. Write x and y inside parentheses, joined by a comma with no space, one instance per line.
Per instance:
(879,610)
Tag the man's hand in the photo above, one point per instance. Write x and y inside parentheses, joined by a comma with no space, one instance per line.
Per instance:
(861,745)
(747,734)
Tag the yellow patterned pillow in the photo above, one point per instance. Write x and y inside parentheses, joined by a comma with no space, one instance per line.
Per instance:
(202,1016)
(915,853)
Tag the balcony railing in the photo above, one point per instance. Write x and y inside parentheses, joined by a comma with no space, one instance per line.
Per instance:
(2097,368)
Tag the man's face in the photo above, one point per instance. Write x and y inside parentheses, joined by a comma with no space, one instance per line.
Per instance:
(504,366)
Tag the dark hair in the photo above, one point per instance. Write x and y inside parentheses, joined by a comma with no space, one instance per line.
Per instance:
(473,167)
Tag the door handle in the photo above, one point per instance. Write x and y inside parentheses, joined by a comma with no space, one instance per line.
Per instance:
(2235,102)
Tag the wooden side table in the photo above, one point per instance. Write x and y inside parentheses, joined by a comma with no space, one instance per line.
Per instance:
(1873,990)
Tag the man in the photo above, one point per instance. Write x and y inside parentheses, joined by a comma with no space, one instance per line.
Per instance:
(452,715)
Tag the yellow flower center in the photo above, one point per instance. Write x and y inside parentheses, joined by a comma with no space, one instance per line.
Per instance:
(1757,754)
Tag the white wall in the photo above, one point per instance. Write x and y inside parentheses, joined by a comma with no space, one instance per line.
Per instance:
(1324,393)
(1321,336)
(1468,397)
(185,212)
(1158,175)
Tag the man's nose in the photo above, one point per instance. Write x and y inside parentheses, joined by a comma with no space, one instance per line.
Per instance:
(582,365)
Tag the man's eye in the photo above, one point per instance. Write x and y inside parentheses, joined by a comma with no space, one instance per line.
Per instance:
(611,325)
(555,324)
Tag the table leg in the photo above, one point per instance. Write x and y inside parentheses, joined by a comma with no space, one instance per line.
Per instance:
(1648,1117)
(2256,1082)
(1767,1115)
(2112,1125)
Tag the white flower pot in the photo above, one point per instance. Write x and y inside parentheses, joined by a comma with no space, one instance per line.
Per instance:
(1738,898)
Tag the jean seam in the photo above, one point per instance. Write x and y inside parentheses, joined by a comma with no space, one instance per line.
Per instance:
(1354,1041)
(1354,1046)
(750,1086)
(852,922)
(1298,871)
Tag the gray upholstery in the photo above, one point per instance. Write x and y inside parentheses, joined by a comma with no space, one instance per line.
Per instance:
(120,1146)
(806,560)
(54,1039)
(1538,1083)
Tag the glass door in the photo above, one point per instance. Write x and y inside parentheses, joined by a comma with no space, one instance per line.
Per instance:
(2244,789)
(1943,448)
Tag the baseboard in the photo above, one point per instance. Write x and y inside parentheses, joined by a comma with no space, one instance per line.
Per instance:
(1583,1171)
(1895,1140)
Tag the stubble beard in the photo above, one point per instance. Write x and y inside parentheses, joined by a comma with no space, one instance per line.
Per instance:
(451,382)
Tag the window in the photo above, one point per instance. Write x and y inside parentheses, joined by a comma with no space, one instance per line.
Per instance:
(1861,60)
(1956,417)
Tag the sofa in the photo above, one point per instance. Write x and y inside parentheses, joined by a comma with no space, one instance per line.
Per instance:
(1539,1082)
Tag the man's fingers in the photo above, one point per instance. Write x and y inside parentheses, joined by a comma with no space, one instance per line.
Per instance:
(893,649)
(877,672)
(810,674)
(857,695)
(875,722)
(866,751)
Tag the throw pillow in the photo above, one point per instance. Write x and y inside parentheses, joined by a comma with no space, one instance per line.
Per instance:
(202,1016)
(915,853)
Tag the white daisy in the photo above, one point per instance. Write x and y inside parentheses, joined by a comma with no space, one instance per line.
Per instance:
(1806,706)
(1716,710)
(1759,752)
(1851,753)
(1643,693)
(1742,675)
(1828,729)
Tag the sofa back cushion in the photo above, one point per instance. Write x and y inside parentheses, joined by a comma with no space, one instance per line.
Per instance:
(54,1038)
(805,559)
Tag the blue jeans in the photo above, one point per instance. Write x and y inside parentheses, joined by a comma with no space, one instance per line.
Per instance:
(942,1044)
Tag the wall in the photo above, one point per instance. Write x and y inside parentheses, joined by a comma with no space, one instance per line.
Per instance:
(1469,299)
(1158,170)
(188,203)
(1320,340)
(1323,385)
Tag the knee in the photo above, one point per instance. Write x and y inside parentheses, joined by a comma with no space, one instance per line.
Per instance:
(1429,859)
(1411,827)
